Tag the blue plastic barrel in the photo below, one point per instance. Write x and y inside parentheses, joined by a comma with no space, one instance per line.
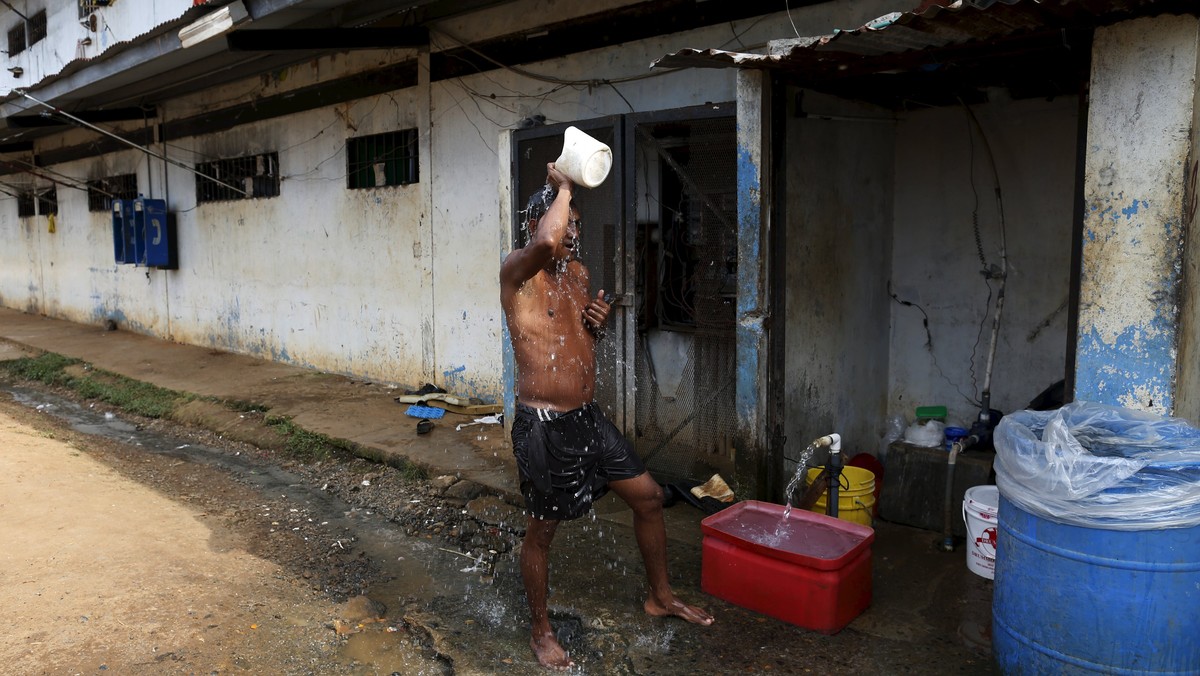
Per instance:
(1074,600)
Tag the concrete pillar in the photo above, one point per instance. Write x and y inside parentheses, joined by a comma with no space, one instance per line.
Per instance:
(423,256)
(753,204)
(1136,302)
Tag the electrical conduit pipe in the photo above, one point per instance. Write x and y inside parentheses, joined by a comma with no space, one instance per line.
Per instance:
(947,544)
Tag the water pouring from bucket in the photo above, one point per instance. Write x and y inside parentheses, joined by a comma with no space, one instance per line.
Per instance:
(584,160)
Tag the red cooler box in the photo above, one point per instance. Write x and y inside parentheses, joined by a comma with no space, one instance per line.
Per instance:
(811,570)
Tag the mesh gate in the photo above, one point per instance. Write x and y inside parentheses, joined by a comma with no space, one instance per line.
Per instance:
(686,295)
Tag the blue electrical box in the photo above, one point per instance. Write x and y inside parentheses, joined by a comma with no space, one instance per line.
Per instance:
(137,234)
(144,233)
(157,234)
(122,224)
(132,246)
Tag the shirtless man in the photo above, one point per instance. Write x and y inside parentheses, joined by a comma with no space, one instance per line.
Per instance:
(568,454)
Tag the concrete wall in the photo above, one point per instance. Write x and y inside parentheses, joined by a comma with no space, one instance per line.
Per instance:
(840,186)
(77,278)
(944,184)
(879,204)
(466,121)
(66,35)
(397,284)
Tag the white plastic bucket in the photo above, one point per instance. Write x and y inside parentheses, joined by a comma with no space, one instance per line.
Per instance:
(981,506)
(584,159)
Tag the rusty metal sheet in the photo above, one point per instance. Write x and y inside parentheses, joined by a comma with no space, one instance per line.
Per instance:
(983,21)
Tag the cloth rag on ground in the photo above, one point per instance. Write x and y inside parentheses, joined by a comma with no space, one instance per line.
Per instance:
(676,492)
(716,488)
(485,420)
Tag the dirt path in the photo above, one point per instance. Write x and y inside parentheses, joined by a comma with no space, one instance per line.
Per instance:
(119,561)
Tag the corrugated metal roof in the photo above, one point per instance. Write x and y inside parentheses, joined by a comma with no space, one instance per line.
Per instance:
(115,49)
(937,28)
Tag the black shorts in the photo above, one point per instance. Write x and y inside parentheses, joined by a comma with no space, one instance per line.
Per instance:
(566,459)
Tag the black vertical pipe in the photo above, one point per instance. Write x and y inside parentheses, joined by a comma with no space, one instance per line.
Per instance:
(835,477)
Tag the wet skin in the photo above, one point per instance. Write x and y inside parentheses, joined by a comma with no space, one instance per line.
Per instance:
(551,319)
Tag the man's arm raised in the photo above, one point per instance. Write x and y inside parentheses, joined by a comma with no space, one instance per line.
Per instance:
(522,264)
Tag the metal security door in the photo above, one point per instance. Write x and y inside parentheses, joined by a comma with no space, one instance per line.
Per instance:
(601,243)
(681,186)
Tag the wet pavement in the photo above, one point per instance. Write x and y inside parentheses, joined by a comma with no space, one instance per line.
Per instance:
(928,614)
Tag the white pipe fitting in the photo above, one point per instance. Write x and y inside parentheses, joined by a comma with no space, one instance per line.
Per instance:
(833,441)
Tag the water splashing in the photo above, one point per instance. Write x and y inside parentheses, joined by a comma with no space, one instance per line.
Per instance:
(801,470)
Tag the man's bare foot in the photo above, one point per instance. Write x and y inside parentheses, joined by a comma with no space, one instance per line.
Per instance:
(550,653)
(677,608)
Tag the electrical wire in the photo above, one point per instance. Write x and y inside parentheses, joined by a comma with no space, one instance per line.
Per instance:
(737,37)
(41,172)
(537,76)
(929,342)
(14,9)
(120,138)
(562,82)
(788,6)
(985,397)
(975,197)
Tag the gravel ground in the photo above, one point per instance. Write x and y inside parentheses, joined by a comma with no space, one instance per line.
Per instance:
(332,544)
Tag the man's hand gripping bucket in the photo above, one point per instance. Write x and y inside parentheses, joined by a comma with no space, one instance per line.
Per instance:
(584,159)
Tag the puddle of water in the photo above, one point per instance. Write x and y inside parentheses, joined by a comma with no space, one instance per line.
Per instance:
(658,640)
(381,649)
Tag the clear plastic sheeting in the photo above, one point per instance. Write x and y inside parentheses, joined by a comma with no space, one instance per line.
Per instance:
(1100,466)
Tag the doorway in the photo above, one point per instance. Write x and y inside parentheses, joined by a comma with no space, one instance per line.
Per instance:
(661,235)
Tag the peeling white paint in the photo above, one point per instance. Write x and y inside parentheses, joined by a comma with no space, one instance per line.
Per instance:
(1141,127)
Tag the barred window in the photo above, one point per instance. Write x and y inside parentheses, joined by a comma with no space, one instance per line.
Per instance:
(26,204)
(238,178)
(37,28)
(382,159)
(47,201)
(16,39)
(86,7)
(102,191)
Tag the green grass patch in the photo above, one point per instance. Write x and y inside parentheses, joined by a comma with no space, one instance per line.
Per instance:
(47,368)
(128,395)
(151,401)
(308,447)
(304,445)
(410,471)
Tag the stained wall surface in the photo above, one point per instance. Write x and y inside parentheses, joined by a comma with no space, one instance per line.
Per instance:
(396,284)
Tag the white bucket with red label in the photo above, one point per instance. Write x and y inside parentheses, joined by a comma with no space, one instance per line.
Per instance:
(981,506)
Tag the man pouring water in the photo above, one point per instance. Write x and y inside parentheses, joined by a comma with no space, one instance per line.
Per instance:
(568,453)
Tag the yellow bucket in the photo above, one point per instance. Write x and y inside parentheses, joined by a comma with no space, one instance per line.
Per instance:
(856,497)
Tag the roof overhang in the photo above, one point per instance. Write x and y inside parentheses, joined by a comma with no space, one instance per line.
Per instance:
(222,41)
(934,57)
